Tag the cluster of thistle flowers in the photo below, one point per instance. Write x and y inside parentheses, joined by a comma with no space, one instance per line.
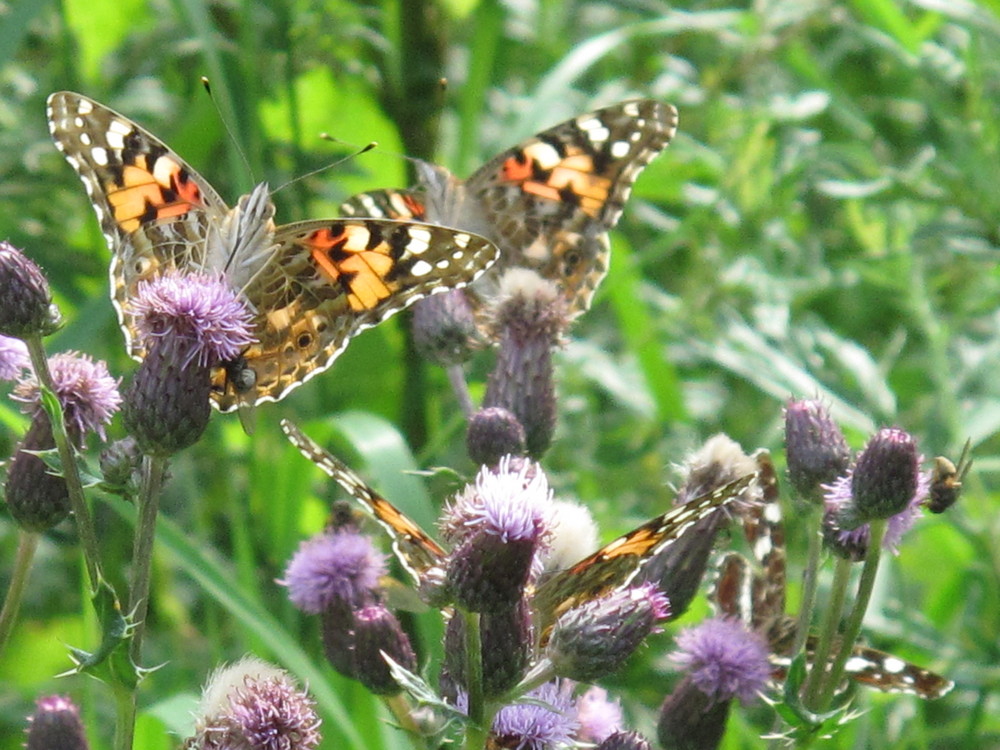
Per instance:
(191,323)
(516,684)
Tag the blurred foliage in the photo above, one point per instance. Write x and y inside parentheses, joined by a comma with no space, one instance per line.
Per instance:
(825,224)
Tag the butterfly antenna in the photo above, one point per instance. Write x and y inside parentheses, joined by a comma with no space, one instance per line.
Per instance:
(325,137)
(225,124)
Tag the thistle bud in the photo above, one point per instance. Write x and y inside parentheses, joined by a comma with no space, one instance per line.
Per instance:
(625,741)
(595,639)
(494,433)
(444,328)
(27,308)
(56,725)
(885,475)
(377,631)
(816,449)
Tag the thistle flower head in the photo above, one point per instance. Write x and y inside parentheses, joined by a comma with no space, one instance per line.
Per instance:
(55,724)
(625,741)
(444,328)
(851,541)
(498,525)
(594,639)
(199,312)
(599,717)
(573,535)
(816,449)
(691,720)
(333,566)
(27,307)
(252,705)
(87,393)
(532,726)
(724,659)
(14,359)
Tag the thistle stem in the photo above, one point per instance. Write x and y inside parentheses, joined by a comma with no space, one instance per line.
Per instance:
(866,585)
(71,474)
(821,660)
(808,592)
(456,376)
(26,545)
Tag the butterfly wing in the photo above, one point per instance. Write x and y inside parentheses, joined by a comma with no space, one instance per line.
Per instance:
(386,204)
(616,564)
(155,211)
(552,199)
(416,551)
(329,280)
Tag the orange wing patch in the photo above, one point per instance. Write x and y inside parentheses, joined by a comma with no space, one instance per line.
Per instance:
(145,195)
(357,259)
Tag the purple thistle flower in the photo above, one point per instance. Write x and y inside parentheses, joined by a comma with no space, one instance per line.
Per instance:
(853,543)
(596,638)
(88,394)
(529,726)
(815,447)
(724,659)
(599,717)
(251,705)
(190,323)
(691,720)
(885,476)
(341,566)
(56,725)
(14,359)
(499,524)
(200,310)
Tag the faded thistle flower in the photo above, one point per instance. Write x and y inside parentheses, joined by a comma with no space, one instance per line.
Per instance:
(89,398)
(599,717)
(121,467)
(27,308)
(14,359)
(378,632)
(722,660)
(497,526)
(528,321)
(549,724)
(191,323)
(55,725)
(444,328)
(252,705)
(595,639)
(341,566)
(494,433)
(815,448)
(679,568)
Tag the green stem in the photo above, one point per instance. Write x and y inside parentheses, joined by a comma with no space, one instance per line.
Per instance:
(808,592)
(476,729)
(26,545)
(153,471)
(456,376)
(402,712)
(876,532)
(841,578)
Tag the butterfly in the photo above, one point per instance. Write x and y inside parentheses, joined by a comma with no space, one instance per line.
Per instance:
(611,567)
(757,598)
(548,202)
(311,286)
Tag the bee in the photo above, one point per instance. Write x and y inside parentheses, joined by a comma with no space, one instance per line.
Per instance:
(946,480)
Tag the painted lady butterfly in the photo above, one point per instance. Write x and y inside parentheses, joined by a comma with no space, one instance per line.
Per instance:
(609,568)
(757,598)
(549,202)
(311,285)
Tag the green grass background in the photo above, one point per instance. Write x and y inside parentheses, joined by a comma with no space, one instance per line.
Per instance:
(825,224)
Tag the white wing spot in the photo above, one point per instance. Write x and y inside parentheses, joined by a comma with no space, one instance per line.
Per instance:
(79,122)
(85,139)
(73,162)
(892,665)
(118,126)
(115,140)
(620,149)
(420,240)
(443,264)
(99,155)
(421,268)
(84,107)
(631,109)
